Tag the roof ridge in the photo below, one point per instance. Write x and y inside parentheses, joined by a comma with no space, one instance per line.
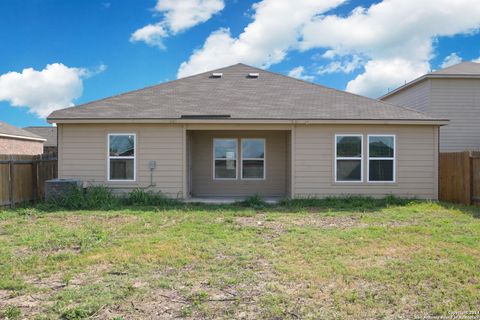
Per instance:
(229,66)
(280,95)
(16,131)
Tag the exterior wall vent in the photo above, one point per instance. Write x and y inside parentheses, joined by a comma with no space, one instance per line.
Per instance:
(205,116)
(217,74)
(253,75)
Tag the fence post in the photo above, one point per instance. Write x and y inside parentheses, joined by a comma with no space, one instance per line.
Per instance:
(11,167)
(472,178)
(35,161)
(476,178)
(467,178)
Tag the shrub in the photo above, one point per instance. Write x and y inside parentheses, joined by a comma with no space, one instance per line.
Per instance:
(95,197)
(139,197)
(100,197)
(77,313)
(255,201)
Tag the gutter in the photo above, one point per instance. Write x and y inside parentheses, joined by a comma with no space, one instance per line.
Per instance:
(21,137)
(439,122)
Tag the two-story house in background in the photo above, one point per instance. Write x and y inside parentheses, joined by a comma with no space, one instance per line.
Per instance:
(452,93)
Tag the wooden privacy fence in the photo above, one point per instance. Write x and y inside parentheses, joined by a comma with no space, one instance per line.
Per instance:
(22,177)
(459,177)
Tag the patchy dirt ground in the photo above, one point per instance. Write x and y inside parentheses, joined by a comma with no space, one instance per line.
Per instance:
(395,263)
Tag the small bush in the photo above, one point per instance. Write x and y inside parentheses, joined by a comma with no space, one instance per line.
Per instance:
(141,197)
(100,197)
(255,201)
(27,211)
(77,313)
(95,197)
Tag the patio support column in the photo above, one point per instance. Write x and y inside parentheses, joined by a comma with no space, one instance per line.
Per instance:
(292,161)
(185,162)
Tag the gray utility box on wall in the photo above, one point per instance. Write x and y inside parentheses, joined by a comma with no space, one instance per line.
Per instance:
(59,187)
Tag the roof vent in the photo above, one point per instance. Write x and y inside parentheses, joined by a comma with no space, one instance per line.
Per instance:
(217,74)
(253,75)
(204,116)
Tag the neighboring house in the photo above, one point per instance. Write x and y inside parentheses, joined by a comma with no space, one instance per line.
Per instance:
(47,132)
(239,131)
(17,141)
(452,93)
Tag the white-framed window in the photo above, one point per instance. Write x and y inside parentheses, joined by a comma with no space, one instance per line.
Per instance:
(253,159)
(122,156)
(381,158)
(225,159)
(348,158)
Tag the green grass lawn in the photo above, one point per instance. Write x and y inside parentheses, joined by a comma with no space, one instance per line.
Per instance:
(300,260)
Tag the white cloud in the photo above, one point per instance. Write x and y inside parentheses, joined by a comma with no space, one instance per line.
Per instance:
(346,66)
(387,74)
(274,31)
(451,60)
(44,91)
(392,40)
(178,16)
(88,73)
(184,14)
(389,32)
(476,60)
(299,73)
(151,34)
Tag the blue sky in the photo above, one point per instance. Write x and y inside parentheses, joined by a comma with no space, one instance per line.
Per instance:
(97,49)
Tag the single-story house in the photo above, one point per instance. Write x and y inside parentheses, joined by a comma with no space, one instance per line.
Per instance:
(47,132)
(240,130)
(16,141)
(452,93)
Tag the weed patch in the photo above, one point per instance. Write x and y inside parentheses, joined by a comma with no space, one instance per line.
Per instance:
(350,203)
(146,256)
(143,198)
(95,197)
(255,202)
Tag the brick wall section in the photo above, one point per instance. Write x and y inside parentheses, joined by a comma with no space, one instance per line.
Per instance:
(20,146)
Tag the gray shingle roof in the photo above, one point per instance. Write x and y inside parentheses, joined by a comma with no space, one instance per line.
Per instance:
(467,69)
(271,96)
(11,131)
(463,68)
(47,132)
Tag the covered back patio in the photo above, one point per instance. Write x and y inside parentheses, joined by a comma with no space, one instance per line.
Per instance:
(230,165)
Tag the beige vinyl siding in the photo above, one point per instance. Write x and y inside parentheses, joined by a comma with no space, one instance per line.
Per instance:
(416,97)
(416,162)
(202,180)
(288,164)
(184,159)
(459,101)
(60,150)
(83,155)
